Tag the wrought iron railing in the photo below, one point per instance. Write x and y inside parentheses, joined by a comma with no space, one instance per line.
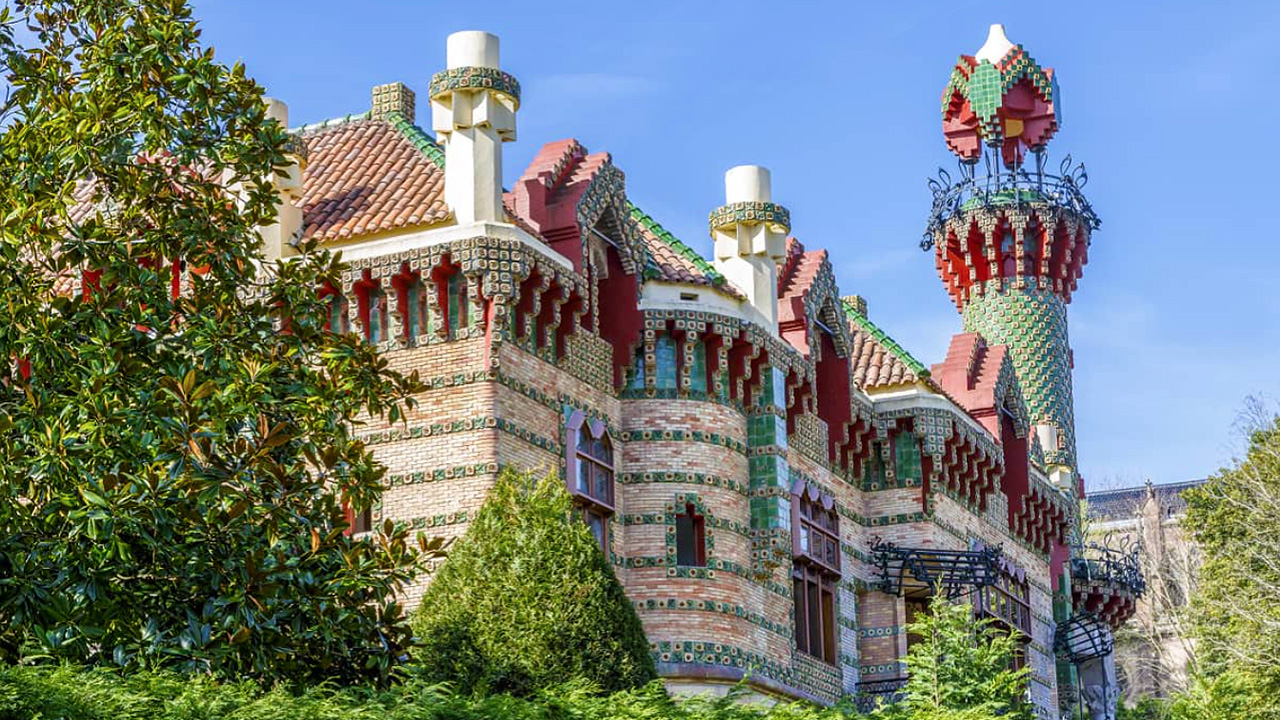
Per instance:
(1082,637)
(954,571)
(872,693)
(1004,186)
(1114,561)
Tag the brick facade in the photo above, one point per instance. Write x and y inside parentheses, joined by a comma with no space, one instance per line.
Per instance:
(583,308)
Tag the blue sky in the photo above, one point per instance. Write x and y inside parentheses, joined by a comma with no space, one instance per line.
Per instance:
(1172,106)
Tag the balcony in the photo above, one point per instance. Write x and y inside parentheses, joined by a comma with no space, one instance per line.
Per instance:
(1107,579)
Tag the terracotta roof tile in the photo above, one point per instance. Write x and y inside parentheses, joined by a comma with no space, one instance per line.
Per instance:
(365,176)
(673,261)
(877,361)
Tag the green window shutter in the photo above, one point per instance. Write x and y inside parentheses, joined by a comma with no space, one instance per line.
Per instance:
(698,368)
(665,375)
(907,457)
(637,370)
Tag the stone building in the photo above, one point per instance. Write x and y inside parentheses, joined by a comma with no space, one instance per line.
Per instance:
(1153,651)
(778,483)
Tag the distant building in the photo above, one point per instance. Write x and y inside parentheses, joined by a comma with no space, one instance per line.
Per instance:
(1152,651)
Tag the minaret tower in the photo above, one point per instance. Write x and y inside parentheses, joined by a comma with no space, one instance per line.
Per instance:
(1010,239)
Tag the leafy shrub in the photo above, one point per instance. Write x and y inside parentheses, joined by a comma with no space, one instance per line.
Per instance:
(526,600)
(73,693)
(173,468)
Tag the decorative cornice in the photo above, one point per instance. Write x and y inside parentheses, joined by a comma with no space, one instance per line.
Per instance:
(750,212)
(474,78)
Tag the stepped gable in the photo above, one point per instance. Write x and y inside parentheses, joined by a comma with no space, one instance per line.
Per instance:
(365,176)
(546,195)
(981,379)
(567,194)
(795,279)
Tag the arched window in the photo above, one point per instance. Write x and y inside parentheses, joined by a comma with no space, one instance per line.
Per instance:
(691,538)
(815,532)
(589,473)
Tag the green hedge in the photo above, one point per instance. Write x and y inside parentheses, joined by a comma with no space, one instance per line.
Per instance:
(526,601)
(71,693)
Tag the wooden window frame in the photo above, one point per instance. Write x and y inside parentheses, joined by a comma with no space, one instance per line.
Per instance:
(358,522)
(590,502)
(815,528)
(814,593)
(697,535)
(815,537)
(1008,602)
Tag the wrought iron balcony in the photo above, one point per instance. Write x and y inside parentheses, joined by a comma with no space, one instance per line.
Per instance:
(1112,561)
(1082,637)
(932,569)
(1002,186)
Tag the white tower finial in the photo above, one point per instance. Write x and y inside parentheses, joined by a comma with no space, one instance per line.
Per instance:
(750,234)
(278,238)
(473,111)
(996,47)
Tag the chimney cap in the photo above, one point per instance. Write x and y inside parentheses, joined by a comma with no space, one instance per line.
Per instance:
(472,48)
(857,302)
(748,183)
(277,110)
(395,98)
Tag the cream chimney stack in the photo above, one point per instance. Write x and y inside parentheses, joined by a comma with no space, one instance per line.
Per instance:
(750,233)
(473,111)
(277,239)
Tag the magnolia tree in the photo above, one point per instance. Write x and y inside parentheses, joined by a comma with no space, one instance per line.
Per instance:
(177,428)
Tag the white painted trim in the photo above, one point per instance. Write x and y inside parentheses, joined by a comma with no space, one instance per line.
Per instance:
(378,247)
(663,295)
(914,397)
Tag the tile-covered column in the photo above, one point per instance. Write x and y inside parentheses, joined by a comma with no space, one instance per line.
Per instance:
(770,475)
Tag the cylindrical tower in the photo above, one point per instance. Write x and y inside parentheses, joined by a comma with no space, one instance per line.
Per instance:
(1009,239)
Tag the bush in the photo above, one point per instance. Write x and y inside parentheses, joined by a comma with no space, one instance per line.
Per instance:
(74,693)
(526,600)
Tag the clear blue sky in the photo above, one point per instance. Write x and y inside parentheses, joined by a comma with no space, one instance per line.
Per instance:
(1172,106)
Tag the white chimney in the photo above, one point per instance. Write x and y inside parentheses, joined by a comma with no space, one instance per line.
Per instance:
(277,239)
(750,233)
(473,111)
